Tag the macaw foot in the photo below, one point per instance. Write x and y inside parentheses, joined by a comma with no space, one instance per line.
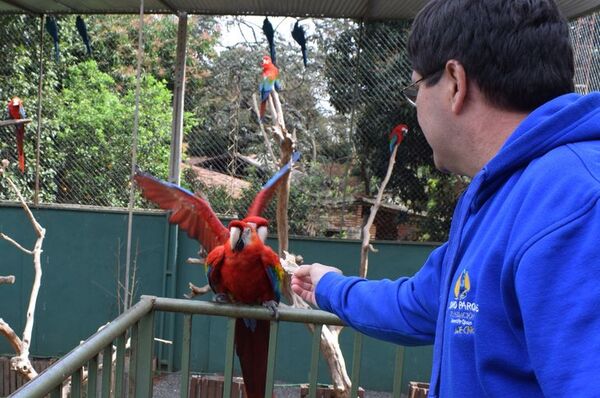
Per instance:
(272,306)
(221,298)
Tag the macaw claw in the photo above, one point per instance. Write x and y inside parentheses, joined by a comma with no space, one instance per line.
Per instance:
(272,306)
(221,298)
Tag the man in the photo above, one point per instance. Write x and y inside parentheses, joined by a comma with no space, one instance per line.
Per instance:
(512,301)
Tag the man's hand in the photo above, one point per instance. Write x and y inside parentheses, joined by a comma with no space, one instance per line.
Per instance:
(306,278)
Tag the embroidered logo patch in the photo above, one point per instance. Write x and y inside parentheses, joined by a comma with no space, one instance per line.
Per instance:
(462,311)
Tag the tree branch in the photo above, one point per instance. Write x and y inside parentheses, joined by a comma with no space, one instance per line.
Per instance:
(366,246)
(21,362)
(7,280)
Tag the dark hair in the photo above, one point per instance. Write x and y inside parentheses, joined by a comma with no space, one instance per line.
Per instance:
(518,51)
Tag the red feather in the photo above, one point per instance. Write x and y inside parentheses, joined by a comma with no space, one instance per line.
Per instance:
(16,112)
(192,213)
(252,348)
(248,276)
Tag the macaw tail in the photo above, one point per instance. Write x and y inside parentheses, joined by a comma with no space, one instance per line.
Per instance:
(263,110)
(21,154)
(252,348)
(304,56)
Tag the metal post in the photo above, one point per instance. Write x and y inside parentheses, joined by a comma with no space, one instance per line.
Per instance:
(178,101)
(314,362)
(36,196)
(136,122)
(185,355)
(144,354)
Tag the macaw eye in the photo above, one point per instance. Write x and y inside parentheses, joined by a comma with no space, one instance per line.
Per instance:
(262,233)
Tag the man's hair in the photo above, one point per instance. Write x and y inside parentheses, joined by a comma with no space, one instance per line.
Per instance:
(517,51)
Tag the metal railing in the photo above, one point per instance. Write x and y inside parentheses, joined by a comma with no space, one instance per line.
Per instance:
(138,323)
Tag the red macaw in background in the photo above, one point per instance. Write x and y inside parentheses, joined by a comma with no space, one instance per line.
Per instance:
(270,81)
(240,267)
(397,135)
(16,111)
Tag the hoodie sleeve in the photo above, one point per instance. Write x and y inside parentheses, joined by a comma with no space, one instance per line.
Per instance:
(403,311)
(558,288)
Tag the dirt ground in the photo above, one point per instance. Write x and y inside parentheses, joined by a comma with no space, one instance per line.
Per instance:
(167,385)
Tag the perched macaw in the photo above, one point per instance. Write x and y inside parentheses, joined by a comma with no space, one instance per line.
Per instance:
(299,35)
(270,35)
(17,111)
(397,135)
(82,29)
(270,81)
(239,266)
(52,28)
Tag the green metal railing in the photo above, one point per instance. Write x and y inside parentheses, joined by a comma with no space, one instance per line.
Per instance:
(138,323)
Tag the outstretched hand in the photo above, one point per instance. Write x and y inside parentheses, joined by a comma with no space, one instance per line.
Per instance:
(306,278)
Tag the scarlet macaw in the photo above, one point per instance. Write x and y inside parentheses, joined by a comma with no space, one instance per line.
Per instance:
(16,111)
(397,135)
(239,266)
(270,81)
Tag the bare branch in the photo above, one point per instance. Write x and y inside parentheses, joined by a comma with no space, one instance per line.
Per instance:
(197,291)
(7,280)
(366,246)
(10,334)
(17,245)
(262,130)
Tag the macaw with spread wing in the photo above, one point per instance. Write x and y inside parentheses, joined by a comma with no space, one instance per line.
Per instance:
(16,112)
(269,82)
(241,268)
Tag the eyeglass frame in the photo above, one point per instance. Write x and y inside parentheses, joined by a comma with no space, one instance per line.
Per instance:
(412,99)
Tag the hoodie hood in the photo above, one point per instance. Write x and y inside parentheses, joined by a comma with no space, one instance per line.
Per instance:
(567,119)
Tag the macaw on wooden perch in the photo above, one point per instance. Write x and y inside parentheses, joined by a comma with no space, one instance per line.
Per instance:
(397,135)
(16,111)
(240,267)
(270,81)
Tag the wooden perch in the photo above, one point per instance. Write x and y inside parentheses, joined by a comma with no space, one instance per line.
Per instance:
(330,347)
(8,280)
(21,362)
(197,291)
(14,122)
(366,246)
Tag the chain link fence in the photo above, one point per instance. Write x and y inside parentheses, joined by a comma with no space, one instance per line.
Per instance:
(340,107)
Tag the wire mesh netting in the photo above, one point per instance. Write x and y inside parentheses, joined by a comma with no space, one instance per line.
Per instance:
(340,107)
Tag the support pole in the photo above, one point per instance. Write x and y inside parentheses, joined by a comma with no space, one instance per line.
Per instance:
(36,196)
(136,121)
(178,101)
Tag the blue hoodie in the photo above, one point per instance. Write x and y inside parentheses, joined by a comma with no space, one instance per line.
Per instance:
(512,301)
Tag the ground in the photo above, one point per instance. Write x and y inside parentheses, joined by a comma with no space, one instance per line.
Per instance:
(167,385)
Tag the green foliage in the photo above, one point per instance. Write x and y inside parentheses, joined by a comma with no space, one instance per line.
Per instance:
(95,125)
(88,106)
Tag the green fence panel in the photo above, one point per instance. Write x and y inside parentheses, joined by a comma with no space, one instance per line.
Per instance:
(85,248)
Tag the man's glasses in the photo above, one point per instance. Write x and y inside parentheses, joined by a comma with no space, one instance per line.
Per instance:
(410,92)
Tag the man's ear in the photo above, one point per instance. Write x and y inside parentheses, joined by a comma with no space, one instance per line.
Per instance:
(458,84)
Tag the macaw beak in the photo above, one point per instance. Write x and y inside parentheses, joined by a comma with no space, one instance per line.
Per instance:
(239,245)
(235,239)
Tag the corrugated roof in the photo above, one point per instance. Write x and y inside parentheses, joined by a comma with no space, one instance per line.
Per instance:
(368,9)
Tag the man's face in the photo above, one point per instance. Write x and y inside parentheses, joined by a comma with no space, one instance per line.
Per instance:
(432,116)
